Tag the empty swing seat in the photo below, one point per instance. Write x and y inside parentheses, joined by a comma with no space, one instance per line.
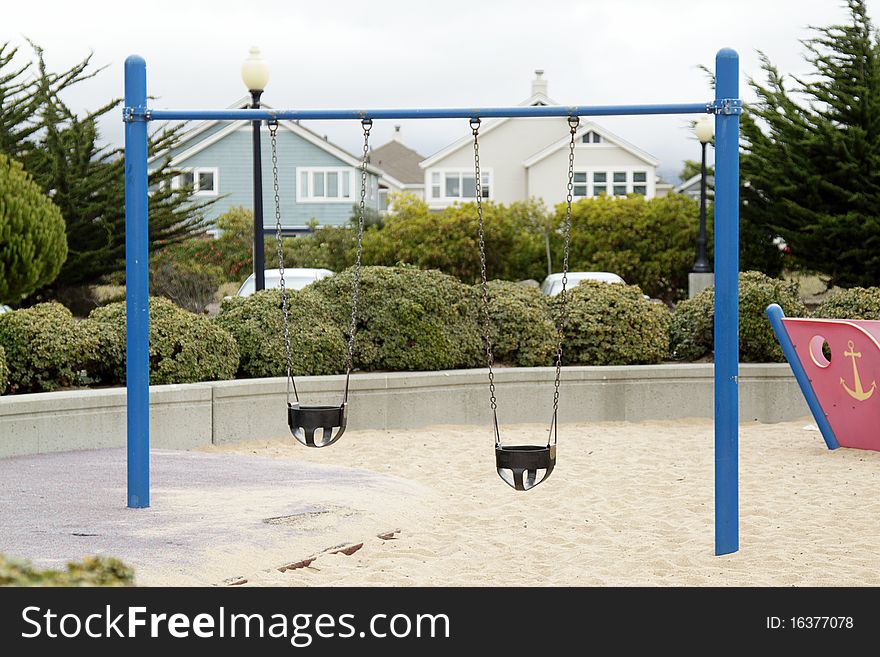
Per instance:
(524,466)
(306,421)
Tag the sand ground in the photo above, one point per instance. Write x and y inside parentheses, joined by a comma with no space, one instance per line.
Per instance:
(628,504)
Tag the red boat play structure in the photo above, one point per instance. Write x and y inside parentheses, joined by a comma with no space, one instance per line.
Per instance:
(837,364)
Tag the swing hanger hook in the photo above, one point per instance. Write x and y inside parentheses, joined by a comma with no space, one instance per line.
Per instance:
(475,125)
(366,124)
(272,124)
(574,122)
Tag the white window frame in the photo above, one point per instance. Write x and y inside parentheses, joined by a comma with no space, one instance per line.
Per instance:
(461,172)
(306,196)
(591,144)
(195,171)
(609,172)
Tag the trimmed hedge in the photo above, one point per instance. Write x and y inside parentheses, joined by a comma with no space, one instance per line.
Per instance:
(523,330)
(692,330)
(91,571)
(256,323)
(184,347)
(854,303)
(614,324)
(4,372)
(46,348)
(408,318)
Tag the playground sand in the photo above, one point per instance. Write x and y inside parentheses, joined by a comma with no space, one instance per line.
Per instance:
(628,504)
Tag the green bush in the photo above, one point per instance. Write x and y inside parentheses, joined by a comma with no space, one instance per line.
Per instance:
(854,303)
(691,333)
(229,257)
(91,571)
(4,372)
(256,322)
(184,347)
(448,241)
(190,285)
(33,242)
(522,329)
(330,247)
(46,348)
(408,319)
(650,243)
(613,324)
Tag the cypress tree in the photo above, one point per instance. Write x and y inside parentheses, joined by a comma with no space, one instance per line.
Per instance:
(811,153)
(32,245)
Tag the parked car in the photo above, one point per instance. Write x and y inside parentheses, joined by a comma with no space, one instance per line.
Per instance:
(4,309)
(552,285)
(294,279)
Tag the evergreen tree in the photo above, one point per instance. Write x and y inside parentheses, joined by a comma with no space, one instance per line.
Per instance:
(85,178)
(810,164)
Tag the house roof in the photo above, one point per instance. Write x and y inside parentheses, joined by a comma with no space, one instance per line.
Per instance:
(231,126)
(488,126)
(607,136)
(693,183)
(399,162)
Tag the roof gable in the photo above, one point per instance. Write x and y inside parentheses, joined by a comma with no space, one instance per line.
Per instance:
(607,136)
(197,145)
(531,101)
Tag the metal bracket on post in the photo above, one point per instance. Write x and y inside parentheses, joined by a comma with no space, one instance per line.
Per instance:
(725,106)
(131,114)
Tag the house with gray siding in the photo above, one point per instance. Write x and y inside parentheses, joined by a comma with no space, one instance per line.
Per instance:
(318,180)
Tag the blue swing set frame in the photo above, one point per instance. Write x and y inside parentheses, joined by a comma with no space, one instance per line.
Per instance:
(726,107)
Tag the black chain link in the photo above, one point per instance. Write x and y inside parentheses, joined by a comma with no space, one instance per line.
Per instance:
(273,133)
(484,282)
(573,122)
(355,294)
(367,125)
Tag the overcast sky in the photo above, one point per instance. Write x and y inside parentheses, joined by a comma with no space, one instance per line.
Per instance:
(394,53)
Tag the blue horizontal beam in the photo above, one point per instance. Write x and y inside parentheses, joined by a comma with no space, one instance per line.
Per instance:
(426,113)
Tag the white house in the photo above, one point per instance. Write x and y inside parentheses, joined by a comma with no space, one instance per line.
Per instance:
(524,158)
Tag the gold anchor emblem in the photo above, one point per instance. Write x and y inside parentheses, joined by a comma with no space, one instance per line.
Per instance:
(858,393)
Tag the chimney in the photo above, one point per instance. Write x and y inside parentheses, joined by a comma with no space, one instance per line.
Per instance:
(539,84)
(396,136)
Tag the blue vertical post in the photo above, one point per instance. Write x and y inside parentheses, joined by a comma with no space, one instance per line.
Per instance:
(137,340)
(726,302)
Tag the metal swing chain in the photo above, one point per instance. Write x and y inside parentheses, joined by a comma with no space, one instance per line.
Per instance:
(573,122)
(484,283)
(367,125)
(273,132)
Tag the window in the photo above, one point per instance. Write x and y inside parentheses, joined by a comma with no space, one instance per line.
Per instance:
(591,137)
(459,185)
(614,183)
(324,184)
(202,180)
(640,177)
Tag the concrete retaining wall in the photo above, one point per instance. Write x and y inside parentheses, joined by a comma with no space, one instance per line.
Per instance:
(187,416)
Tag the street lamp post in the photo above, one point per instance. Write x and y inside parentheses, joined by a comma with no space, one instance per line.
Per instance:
(255,75)
(704,132)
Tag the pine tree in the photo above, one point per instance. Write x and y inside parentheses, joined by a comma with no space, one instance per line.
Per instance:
(810,164)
